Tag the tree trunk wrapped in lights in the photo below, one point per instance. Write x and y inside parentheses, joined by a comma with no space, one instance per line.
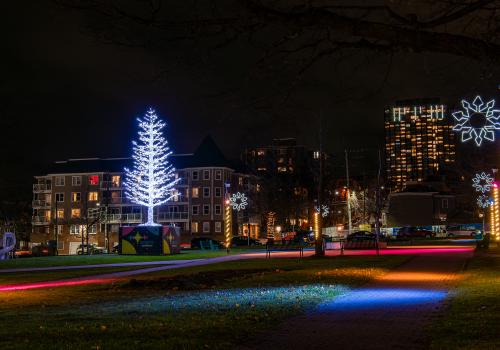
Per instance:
(151,181)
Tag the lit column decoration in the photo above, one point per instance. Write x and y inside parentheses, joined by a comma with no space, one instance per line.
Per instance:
(151,181)
(271,217)
(495,215)
(238,202)
(228,218)
(317,225)
(228,222)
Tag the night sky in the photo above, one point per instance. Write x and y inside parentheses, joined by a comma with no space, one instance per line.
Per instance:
(66,94)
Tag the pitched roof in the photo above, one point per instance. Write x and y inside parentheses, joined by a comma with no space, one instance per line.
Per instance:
(208,154)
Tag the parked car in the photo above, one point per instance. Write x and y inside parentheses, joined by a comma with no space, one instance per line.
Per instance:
(414,232)
(92,249)
(240,241)
(299,236)
(461,231)
(197,242)
(360,236)
(23,253)
(44,249)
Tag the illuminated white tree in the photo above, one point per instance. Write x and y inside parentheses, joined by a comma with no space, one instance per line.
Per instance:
(151,181)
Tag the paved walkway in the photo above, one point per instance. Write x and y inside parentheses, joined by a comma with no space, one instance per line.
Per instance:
(390,313)
(171,264)
(96,266)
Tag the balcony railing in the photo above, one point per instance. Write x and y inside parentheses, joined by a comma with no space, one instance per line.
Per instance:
(134,218)
(42,187)
(105,185)
(172,216)
(40,220)
(40,203)
(117,200)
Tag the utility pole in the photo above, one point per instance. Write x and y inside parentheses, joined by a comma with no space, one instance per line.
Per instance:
(319,249)
(56,229)
(378,204)
(348,192)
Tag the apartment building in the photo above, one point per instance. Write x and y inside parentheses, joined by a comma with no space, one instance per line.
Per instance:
(81,196)
(419,141)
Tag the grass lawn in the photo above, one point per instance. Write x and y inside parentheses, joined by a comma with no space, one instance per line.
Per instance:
(72,260)
(214,306)
(28,277)
(473,318)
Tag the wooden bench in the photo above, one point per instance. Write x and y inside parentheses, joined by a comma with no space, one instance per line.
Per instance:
(285,247)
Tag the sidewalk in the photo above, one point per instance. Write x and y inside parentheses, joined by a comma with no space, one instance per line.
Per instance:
(171,264)
(390,313)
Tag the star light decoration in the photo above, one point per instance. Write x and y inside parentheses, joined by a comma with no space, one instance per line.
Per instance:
(324,210)
(238,201)
(482,182)
(488,122)
(483,201)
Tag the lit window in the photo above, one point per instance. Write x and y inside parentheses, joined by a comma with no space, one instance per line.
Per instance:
(76,180)
(218,226)
(195,192)
(316,154)
(194,227)
(115,180)
(261,152)
(75,213)
(93,229)
(240,181)
(76,197)
(60,213)
(59,180)
(94,180)
(93,196)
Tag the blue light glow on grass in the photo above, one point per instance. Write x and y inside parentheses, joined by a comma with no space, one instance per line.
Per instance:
(384,298)
(225,299)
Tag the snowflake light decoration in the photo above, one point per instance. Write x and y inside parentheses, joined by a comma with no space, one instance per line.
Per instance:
(478,120)
(482,182)
(483,201)
(324,210)
(238,201)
